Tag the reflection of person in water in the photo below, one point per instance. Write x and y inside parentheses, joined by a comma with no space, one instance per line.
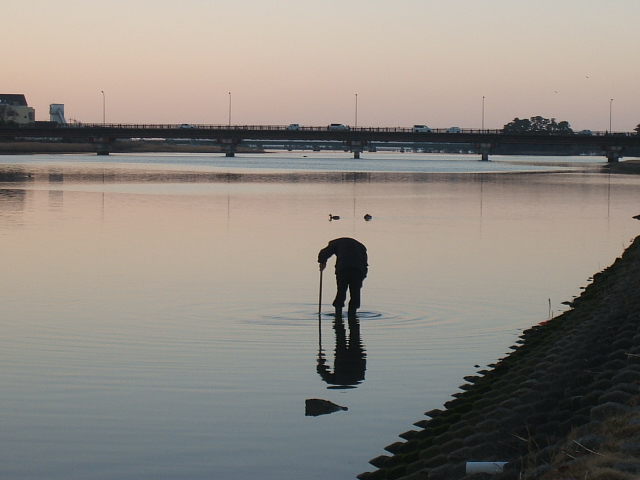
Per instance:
(349,360)
(351,270)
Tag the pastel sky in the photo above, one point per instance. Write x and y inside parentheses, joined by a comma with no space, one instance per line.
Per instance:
(284,61)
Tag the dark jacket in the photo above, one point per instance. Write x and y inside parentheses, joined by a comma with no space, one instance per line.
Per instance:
(350,253)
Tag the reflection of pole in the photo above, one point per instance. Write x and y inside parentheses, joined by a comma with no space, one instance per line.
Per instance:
(102,218)
(609,195)
(228,202)
(481,192)
(320,295)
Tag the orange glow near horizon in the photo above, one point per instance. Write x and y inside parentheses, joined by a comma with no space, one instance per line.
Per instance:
(416,61)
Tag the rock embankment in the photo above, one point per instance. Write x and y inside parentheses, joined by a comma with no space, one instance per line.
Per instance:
(563,404)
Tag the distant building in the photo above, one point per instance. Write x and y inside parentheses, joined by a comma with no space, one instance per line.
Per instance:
(13,99)
(14,109)
(56,113)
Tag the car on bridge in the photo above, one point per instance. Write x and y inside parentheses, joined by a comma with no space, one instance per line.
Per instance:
(453,130)
(293,126)
(334,127)
(421,129)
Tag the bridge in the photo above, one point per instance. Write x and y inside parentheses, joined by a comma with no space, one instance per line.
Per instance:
(611,144)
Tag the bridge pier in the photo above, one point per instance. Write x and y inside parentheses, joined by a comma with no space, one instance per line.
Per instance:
(229,146)
(613,154)
(356,146)
(102,146)
(484,149)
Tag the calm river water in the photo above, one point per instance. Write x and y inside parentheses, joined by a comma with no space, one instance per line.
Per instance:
(160,312)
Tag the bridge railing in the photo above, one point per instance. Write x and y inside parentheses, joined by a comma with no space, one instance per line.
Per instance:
(229,127)
(280,128)
(135,126)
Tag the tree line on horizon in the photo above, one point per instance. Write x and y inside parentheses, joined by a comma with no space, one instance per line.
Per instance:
(539,124)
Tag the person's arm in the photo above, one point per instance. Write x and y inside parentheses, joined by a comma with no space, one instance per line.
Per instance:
(324,255)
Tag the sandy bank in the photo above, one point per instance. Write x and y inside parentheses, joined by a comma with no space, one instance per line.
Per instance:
(625,166)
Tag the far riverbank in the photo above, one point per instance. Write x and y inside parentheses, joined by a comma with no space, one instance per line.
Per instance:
(631,167)
(29,148)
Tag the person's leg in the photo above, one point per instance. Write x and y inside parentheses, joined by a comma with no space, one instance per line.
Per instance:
(355,285)
(342,281)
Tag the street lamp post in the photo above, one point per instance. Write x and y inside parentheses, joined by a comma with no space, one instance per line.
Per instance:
(229,109)
(483,112)
(610,109)
(104,103)
(356,111)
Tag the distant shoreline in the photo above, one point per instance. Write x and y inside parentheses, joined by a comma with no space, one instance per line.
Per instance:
(32,148)
(631,166)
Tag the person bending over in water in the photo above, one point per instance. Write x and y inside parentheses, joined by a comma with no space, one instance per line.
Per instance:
(351,270)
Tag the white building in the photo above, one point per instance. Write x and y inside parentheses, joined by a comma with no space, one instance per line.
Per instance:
(56,113)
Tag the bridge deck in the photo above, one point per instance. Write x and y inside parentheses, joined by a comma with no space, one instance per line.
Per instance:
(276,132)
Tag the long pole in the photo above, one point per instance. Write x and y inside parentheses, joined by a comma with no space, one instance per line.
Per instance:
(320,295)
(103,108)
(483,112)
(229,109)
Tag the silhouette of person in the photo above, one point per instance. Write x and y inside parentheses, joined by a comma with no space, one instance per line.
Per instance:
(351,270)
(349,362)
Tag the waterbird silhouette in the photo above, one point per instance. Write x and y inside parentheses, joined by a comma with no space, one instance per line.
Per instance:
(334,217)
(368,217)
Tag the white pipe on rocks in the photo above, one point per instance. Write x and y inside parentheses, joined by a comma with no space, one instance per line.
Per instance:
(485,467)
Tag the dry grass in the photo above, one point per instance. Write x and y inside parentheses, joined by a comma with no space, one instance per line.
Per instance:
(575,461)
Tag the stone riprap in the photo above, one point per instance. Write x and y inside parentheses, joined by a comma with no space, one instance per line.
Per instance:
(542,408)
